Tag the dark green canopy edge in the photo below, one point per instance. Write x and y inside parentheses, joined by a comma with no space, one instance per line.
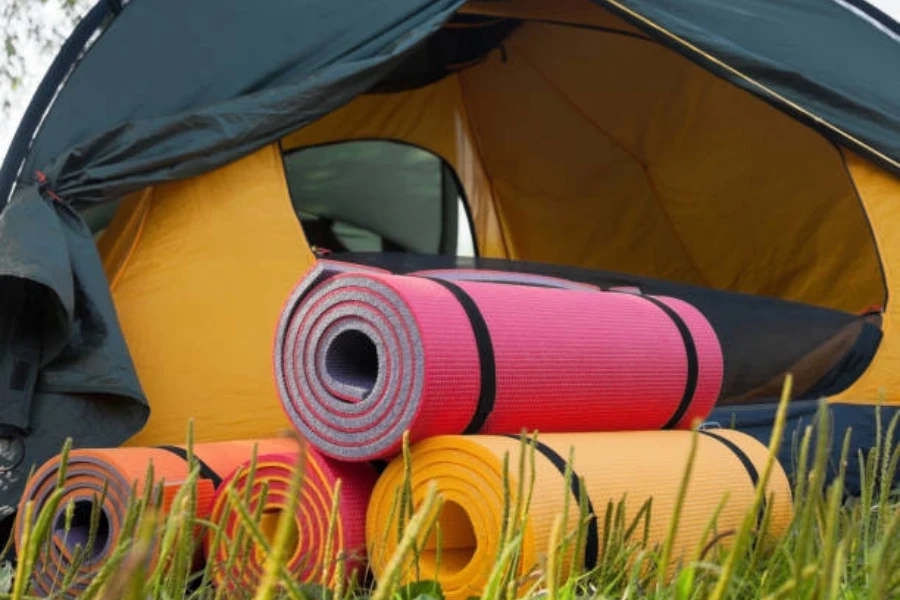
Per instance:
(172,89)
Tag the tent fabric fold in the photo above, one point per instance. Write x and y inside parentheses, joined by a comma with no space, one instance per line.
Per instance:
(70,372)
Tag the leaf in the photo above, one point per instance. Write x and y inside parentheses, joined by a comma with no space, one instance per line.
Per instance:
(684,585)
(6,576)
(420,590)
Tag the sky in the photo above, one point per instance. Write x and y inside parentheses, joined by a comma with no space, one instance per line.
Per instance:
(50,13)
(37,63)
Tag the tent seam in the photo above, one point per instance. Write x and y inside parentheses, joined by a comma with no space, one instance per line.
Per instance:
(882,264)
(650,182)
(123,264)
(476,142)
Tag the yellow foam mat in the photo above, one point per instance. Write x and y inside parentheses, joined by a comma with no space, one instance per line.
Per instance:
(469,474)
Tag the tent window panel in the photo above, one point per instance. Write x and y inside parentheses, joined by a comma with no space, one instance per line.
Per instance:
(378,196)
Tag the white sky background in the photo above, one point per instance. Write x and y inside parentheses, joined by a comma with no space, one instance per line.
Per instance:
(51,15)
(37,62)
(890,7)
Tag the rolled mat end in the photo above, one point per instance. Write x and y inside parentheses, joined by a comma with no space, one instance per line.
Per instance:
(313,555)
(98,487)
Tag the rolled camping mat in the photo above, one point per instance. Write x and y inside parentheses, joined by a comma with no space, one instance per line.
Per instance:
(312,556)
(362,355)
(123,471)
(468,471)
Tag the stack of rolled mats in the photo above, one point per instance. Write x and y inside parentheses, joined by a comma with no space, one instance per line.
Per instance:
(462,363)
(465,361)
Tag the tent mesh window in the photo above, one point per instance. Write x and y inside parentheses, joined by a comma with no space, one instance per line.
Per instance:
(378,196)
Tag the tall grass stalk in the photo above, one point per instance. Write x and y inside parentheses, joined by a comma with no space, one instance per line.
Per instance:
(277,554)
(746,529)
(418,522)
(665,557)
(835,546)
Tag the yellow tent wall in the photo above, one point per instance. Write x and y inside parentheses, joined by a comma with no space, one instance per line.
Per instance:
(199,271)
(880,193)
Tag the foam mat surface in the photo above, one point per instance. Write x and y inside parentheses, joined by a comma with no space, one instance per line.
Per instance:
(636,465)
(362,355)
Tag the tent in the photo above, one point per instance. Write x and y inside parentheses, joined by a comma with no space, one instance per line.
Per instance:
(183,164)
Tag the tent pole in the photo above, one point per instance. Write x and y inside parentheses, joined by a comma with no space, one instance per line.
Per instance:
(46,92)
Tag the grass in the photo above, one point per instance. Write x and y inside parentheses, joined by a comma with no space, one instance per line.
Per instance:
(836,547)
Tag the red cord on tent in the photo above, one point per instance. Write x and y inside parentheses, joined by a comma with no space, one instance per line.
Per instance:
(42,181)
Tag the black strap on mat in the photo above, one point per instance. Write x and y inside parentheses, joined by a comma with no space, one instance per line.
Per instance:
(592,539)
(487,364)
(206,471)
(486,361)
(745,461)
(693,366)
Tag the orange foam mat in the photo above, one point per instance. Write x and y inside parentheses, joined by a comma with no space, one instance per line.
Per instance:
(313,555)
(642,465)
(123,471)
